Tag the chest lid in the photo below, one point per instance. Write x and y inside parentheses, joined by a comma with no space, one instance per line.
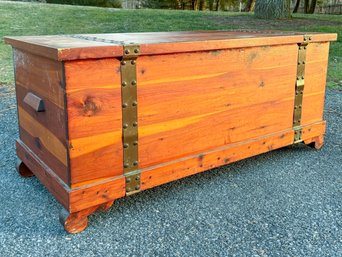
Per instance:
(85,46)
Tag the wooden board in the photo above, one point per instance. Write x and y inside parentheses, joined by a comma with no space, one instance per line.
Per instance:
(85,46)
(315,80)
(190,103)
(95,119)
(182,99)
(44,132)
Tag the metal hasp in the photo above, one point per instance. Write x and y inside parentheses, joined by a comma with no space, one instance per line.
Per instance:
(130,118)
(299,91)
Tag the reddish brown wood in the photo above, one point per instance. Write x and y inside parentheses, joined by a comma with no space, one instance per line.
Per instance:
(94,112)
(44,132)
(315,142)
(78,221)
(173,170)
(70,48)
(46,176)
(205,99)
(23,170)
(95,193)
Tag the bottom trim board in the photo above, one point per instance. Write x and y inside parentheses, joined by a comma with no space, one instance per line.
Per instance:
(99,192)
(180,168)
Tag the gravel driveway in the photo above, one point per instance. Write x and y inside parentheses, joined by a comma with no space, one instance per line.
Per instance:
(284,203)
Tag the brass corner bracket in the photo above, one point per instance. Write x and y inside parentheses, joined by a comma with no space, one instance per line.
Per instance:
(130,118)
(299,89)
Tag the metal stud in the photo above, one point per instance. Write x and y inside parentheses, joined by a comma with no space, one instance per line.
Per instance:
(124,105)
(127,51)
(137,187)
(137,177)
(133,62)
(126,145)
(136,51)
(125,126)
(135,124)
(128,180)
(123,62)
(126,165)
(135,103)
(124,83)
(135,143)
(135,163)
(133,82)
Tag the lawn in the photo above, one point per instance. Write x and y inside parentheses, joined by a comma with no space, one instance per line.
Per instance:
(43,19)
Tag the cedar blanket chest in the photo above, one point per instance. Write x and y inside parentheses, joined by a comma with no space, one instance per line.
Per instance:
(102,116)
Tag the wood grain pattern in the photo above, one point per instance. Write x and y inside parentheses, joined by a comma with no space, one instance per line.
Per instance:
(44,143)
(183,167)
(205,99)
(315,80)
(46,176)
(97,193)
(61,47)
(190,103)
(53,118)
(94,111)
(41,75)
(72,199)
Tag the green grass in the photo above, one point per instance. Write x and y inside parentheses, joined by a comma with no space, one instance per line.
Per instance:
(43,19)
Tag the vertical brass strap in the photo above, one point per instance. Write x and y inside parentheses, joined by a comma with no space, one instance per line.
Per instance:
(299,90)
(130,118)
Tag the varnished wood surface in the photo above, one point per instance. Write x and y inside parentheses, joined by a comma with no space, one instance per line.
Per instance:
(67,47)
(204,100)
(187,103)
(77,222)
(315,79)
(95,119)
(46,176)
(96,193)
(72,199)
(44,132)
(192,102)
(173,170)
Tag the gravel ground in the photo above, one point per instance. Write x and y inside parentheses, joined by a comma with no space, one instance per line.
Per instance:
(284,203)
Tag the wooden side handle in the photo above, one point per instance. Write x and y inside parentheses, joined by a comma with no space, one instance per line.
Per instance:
(35,102)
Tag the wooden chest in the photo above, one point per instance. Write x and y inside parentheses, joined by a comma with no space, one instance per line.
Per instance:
(103,116)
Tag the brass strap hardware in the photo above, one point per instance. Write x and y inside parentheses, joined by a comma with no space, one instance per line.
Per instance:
(299,90)
(130,118)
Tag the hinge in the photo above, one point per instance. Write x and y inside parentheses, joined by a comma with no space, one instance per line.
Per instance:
(130,118)
(299,89)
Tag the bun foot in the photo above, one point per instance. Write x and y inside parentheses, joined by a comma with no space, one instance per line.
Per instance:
(78,221)
(106,206)
(23,170)
(315,142)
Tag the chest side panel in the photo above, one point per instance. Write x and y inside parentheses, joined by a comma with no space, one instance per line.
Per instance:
(44,132)
(315,79)
(192,102)
(95,118)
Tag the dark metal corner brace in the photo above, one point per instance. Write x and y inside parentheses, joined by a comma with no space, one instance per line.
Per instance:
(297,113)
(130,118)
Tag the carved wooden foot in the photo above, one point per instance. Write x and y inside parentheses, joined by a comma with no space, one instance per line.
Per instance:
(23,170)
(316,142)
(78,221)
